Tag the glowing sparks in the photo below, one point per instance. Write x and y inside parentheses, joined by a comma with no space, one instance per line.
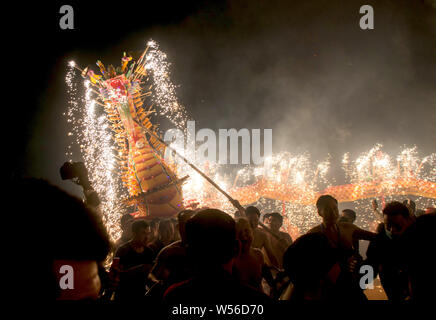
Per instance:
(91,132)
(409,175)
(288,173)
(375,165)
(283,175)
(164,96)
(92,126)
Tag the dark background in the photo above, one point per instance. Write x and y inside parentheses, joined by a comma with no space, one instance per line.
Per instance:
(303,68)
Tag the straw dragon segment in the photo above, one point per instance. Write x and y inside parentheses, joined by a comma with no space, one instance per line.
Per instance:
(152,185)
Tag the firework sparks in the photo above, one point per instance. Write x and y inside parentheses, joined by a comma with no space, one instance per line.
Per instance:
(410,175)
(91,133)
(285,183)
(164,97)
(97,130)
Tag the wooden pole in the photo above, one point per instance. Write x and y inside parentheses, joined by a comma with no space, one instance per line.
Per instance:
(151,133)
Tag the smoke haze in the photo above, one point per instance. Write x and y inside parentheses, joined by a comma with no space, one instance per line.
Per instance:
(304,69)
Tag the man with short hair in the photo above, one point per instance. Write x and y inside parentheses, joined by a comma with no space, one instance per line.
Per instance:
(135,261)
(275,221)
(249,263)
(260,238)
(415,244)
(384,252)
(397,218)
(341,236)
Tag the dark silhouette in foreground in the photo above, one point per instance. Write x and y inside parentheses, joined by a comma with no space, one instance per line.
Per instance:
(212,247)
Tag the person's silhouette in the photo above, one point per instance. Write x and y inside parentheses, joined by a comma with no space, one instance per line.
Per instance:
(212,248)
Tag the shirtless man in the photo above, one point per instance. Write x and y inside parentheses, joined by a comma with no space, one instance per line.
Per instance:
(341,236)
(275,221)
(260,238)
(248,265)
(348,215)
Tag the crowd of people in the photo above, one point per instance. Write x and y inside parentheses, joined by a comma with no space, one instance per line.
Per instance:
(207,255)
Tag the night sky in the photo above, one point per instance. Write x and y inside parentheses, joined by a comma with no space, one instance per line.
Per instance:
(302,68)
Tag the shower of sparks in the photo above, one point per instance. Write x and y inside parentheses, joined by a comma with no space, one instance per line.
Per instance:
(392,174)
(91,132)
(286,172)
(99,155)
(282,176)
(375,165)
(164,95)
(73,107)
